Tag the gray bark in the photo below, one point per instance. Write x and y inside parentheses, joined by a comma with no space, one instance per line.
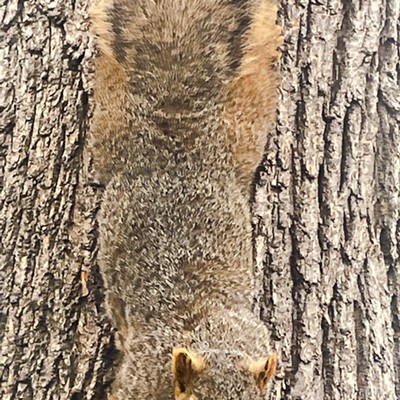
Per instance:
(53,341)
(326,212)
(327,204)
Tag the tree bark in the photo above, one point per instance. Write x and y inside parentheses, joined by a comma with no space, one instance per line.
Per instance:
(327,203)
(326,211)
(55,343)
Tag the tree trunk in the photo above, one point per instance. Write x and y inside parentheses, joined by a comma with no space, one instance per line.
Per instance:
(327,203)
(55,342)
(326,217)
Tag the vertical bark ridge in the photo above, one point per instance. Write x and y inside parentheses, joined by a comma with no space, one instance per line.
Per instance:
(53,340)
(342,339)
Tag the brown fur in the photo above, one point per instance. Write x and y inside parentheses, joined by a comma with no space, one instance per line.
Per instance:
(185,94)
(254,90)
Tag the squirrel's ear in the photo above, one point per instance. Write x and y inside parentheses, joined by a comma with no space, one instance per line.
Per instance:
(185,364)
(263,369)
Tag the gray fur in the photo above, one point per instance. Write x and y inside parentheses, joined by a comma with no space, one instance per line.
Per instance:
(175,231)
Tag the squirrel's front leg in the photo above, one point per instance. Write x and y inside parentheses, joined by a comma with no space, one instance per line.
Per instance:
(251,95)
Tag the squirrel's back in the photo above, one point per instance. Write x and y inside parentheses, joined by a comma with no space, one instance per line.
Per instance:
(193,79)
(185,93)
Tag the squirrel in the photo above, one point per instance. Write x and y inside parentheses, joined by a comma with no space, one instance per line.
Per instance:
(184,94)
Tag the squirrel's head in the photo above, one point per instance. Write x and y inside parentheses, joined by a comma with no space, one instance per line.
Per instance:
(220,375)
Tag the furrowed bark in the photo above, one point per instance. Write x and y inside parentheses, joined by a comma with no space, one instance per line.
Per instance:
(327,203)
(54,341)
(325,215)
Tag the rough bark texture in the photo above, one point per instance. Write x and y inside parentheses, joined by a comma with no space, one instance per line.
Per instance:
(326,211)
(53,341)
(327,204)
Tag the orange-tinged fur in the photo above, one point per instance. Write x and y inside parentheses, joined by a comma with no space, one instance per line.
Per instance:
(184,96)
(264,369)
(100,25)
(251,95)
(111,110)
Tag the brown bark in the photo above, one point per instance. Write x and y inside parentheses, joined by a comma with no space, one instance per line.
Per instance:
(53,341)
(326,212)
(327,203)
